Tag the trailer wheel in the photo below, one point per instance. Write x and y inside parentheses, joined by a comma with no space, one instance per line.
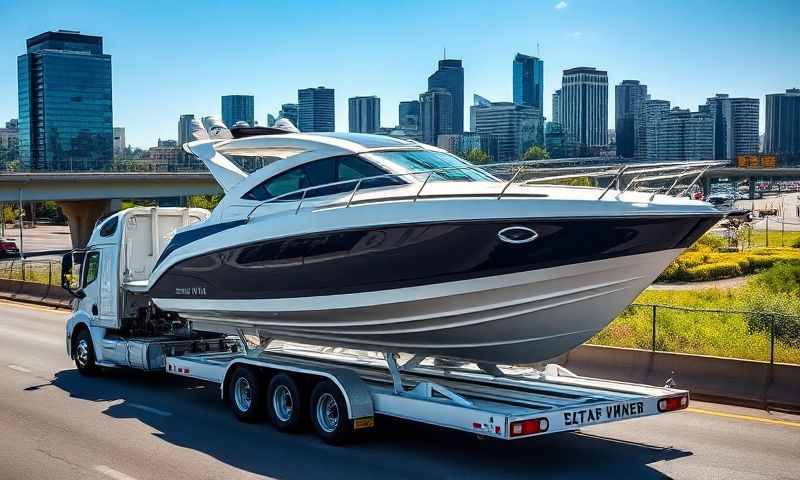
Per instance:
(84,354)
(245,394)
(285,403)
(329,414)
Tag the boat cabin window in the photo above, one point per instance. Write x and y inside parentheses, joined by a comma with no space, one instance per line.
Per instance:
(322,172)
(421,160)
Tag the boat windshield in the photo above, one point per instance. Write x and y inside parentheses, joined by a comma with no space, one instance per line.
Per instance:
(422,160)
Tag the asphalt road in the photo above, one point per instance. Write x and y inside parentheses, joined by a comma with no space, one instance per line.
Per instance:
(126,425)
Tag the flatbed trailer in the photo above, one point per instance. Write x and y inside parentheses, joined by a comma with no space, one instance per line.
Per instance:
(506,403)
(339,391)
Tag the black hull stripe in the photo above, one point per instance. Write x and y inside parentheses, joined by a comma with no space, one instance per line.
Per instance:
(389,257)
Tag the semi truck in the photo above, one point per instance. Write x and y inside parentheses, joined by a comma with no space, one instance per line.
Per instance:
(338,391)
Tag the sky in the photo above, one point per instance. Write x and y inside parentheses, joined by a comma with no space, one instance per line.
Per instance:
(171,58)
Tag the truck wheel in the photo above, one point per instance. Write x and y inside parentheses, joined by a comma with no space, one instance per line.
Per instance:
(245,394)
(285,403)
(84,354)
(329,414)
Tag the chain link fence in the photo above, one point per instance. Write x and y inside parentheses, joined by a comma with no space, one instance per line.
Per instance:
(47,272)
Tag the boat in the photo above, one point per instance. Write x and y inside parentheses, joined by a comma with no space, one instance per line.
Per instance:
(378,243)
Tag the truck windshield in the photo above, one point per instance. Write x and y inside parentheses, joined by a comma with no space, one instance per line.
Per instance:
(422,160)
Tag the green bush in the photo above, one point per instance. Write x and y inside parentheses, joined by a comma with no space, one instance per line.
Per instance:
(714,271)
(709,242)
(775,295)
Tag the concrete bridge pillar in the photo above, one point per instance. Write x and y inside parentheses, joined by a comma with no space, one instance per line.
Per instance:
(82,215)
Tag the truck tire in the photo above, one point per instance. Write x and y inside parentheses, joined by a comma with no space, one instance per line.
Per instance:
(285,403)
(84,354)
(329,414)
(245,393)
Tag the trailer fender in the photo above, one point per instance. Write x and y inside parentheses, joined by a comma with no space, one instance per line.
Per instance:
(355,392)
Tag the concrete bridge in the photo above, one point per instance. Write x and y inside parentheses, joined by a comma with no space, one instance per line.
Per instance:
(86,196)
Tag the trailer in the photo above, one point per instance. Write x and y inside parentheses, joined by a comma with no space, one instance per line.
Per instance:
(336,390)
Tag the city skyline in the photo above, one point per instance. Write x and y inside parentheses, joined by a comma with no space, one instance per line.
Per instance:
(151,90)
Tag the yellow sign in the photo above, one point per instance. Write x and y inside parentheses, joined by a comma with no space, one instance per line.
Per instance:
(364,422)
(758,160)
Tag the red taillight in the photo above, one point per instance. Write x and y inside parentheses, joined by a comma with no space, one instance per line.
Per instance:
(529,427)
(8,245)
(673,403)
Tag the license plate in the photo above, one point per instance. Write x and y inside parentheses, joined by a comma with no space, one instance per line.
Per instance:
(588,416)
(364,422)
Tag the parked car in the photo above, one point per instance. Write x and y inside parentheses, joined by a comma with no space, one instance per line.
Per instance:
(8,248)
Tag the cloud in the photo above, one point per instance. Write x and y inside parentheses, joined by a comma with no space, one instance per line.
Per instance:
(560,5)
(575,35)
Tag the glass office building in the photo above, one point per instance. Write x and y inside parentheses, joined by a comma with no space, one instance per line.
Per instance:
(238,108)
(65,114)
(450,76)
(528,82)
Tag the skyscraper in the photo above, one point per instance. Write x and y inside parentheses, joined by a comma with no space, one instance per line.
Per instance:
(628,98)
(528,81)
(316,110)
(735,125)
(408,115)
(783,125)
(556,118)
(436,114)
(364,114)
(683,135)
(238,108)
(584,106)
(650,112)
(185,128)
(450,76)
(517,127)
(119,141)
(65,113)
(289,112)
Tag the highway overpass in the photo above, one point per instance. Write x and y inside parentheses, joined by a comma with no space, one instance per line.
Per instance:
(86,196)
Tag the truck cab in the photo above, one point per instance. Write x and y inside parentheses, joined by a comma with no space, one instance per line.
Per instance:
(114,323)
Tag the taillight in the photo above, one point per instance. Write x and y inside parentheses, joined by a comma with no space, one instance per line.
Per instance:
(529,427)
(673,403)
(8,245)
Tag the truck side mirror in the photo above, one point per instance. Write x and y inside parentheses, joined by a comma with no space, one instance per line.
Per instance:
(70,279)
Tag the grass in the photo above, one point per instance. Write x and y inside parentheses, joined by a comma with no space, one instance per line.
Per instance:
(701,333)
(758,238)
(709,259)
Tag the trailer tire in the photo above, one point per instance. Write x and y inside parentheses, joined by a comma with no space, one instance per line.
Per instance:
(245,392)
(285,403)
(329,414)
(85,359)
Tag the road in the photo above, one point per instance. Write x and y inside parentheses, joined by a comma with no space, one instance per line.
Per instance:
(126,425)
(43,238)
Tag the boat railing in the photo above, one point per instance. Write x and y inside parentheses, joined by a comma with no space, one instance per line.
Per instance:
(622,177)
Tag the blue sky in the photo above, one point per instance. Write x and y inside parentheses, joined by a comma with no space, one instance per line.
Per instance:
(171,58)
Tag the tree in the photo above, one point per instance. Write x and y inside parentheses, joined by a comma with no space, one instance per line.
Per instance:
(535,153)
(203,201)
(476,156)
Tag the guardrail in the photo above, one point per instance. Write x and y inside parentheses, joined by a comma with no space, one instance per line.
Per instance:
(622,177)
(771,337)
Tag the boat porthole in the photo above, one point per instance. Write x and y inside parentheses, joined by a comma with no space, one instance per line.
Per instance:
(517,235)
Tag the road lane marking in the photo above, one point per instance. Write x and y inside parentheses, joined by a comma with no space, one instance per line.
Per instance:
(751,418)
(110,472)
(149,409)
(19,369)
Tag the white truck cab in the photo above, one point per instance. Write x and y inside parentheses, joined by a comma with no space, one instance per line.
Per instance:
(109,281)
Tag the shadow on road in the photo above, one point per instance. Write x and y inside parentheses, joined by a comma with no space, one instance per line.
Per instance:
(193,416)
